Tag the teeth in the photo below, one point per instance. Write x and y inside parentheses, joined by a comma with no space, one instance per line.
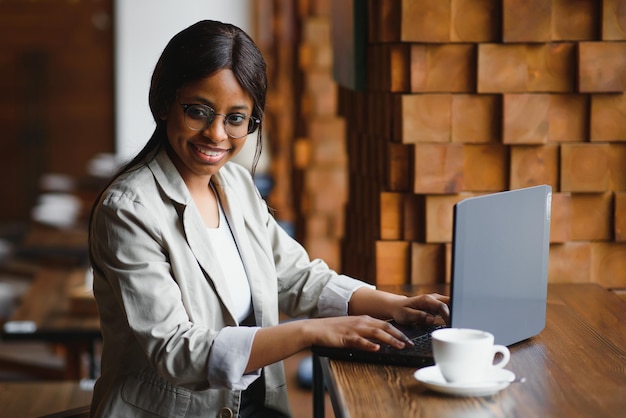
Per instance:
(211,153)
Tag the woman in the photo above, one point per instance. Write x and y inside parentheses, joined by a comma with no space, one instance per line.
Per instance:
(190,267)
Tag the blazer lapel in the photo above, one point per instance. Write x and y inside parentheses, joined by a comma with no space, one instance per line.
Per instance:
(235,215)
(204,251)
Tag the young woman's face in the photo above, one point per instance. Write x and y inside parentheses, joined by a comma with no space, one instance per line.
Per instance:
(201,153)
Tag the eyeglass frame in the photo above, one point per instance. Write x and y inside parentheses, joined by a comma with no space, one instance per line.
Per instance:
(253,122)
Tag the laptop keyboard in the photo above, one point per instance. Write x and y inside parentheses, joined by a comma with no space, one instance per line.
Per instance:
(422,344)
(418,355)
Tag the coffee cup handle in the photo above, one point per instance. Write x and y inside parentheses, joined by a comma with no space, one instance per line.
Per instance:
(506,355)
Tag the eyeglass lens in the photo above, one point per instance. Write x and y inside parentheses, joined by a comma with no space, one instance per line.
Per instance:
(200,117)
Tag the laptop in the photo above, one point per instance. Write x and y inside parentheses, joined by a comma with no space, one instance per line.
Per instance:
(499,275)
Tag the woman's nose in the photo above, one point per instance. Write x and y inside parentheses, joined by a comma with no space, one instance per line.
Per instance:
(216,130)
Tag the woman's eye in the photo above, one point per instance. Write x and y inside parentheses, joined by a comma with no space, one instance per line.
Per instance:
(236,118)
(198,113)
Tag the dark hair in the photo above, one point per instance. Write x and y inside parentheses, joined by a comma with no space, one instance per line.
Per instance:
(195,53)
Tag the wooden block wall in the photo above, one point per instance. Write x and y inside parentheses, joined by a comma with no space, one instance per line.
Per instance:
(273,34)
(320,160)
(466,97)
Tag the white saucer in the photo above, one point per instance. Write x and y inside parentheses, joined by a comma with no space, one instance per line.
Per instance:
(432,378)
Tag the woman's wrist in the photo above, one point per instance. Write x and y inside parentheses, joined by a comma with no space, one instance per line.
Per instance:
(376,303)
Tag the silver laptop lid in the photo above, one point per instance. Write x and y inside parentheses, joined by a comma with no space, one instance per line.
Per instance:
(500,263)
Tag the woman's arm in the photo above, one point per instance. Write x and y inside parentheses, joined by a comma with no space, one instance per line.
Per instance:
(420,309)
(276,343)
(358,330)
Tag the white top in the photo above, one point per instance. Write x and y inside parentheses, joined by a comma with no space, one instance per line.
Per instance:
(230,261)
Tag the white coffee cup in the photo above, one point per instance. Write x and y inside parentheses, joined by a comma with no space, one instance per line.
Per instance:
(466,355)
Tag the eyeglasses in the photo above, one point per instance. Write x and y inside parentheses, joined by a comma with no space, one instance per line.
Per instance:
(237,125)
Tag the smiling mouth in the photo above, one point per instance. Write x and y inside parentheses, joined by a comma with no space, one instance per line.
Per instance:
(211,152)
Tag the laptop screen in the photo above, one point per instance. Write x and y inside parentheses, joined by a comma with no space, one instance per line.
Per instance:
(500,254)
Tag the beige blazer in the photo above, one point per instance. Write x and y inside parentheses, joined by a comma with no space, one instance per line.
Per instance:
(162,296)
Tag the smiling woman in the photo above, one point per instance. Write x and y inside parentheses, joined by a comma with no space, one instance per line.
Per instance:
(191,268)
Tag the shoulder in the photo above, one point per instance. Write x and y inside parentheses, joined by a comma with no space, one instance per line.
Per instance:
(135,192)
(134,185)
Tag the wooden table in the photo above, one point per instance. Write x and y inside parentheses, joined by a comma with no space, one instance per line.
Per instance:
(30,400)
(47,312)
(576,367)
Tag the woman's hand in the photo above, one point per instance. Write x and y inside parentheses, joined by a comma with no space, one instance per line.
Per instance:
(422,309)
(362,332)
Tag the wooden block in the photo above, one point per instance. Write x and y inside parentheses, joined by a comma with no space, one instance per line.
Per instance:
(302,153)
(316,7)
(321,93)
(425,21)
(570,263)
(577,20)
(613,20)
(602,67)
(592,216)
(327,187)
(317,226)
(608,264)
(619,216)
(568,118)
(608,117)
(336,224)
(428,263)
(392,262)
(326,249)
(329,152)
(521,68)
(433,22)
(561,218)
(375,75)
(399,167)
(379,115)
(485,167)
(414,217)
(525,118)
(399,72)
(448,262)
(473,21)
(327,135)
(585,167)
(439,216)
(383,18)
(502,68)
(423,118)
(551,67)
(443,68)
(438,168)
(391,216)
(316,30)
(526,21)
(534,165)
(476,118)
(315,57)
(617,166)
